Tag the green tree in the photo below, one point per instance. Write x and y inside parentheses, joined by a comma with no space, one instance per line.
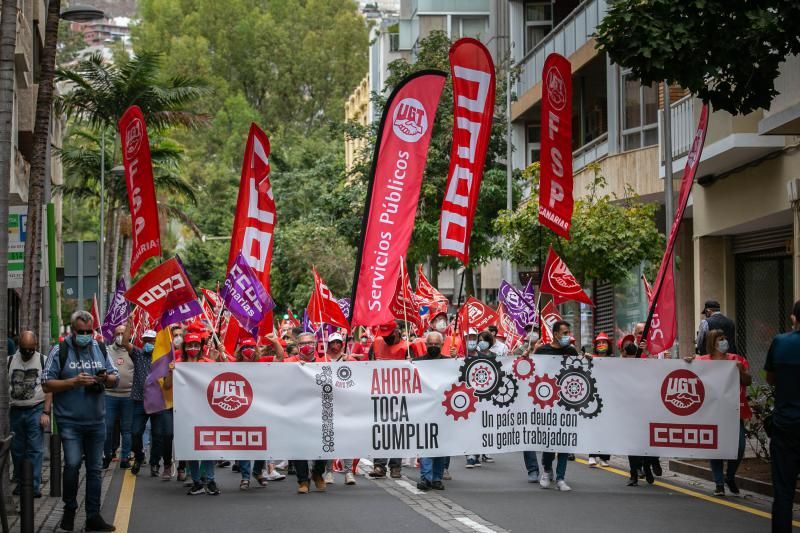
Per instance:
(609,235)
(728,52)
(99,93)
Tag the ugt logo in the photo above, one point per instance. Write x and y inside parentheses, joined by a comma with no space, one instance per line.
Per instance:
(229,395)
(133,137)
(409,121)
(683,392)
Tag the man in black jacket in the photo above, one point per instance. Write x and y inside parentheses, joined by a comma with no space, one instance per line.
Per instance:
(714,319)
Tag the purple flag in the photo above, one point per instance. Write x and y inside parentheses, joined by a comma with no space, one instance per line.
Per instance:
(117,312)
(245,296)
(182,312)
(520,306)
(344,305)
(306,321)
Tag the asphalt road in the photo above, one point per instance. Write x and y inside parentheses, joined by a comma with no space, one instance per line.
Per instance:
(495,498)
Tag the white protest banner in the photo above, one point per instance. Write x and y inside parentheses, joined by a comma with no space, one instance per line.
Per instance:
(456,406)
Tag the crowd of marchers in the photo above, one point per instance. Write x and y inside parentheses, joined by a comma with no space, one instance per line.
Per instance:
(95,393)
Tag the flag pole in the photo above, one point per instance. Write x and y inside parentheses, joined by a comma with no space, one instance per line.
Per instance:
(205,314)
(405,315)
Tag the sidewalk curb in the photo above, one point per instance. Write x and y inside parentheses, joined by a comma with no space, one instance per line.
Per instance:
(745,483)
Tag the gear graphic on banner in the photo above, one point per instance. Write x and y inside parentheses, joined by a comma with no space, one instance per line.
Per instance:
(459,401)
(507,392)
(482,374)
(544,391)
(523,367)
(577,388)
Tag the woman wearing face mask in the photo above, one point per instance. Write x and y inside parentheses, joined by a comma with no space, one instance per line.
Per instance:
(717,349)
(485,343)
(602,348)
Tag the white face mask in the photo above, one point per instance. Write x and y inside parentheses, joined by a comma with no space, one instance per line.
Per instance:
(177,341)
(440,326)
(723,346)
(533,336)
(118,340)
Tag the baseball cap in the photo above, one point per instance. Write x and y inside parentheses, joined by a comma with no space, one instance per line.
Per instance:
(711,304)
(248,342)
(387,329)
(472,331)
(626,340)
(336,337)
(149,334)
(192,337)
(601,337)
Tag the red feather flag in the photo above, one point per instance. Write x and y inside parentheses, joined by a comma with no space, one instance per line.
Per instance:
(323,307)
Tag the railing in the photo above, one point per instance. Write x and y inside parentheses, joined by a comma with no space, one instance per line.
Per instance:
(683,128)
(567,37)
(590,152)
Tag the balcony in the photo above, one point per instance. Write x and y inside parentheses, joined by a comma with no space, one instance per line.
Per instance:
(23,53)
(783,117)
(731,141)
(590,152)
(566,38)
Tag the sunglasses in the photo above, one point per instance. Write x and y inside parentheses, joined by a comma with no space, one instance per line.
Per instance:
(84,331)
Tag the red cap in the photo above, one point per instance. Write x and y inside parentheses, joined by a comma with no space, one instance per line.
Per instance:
(626,340)
(601,337)
(387,329)
(192,337)
(248,342)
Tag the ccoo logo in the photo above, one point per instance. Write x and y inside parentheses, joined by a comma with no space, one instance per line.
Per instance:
(683,392)
(229,395)
(409,121)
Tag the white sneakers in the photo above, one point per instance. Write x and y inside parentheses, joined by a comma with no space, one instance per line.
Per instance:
(274,476)
(603,463)
(544,480)
(349,478)
(328,478)
(592,462)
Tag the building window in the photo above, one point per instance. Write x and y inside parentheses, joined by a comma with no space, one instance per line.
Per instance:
(639,113)
(475,27)
(533,139)
(538,22)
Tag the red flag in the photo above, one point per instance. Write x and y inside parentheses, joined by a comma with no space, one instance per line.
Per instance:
(429,294)
(549,316)
(213,298)
(141,191)
(648,290)
(555,185)
(662,324)
(559,281)
(476,314)
(293,322)
(323,307)
(405,305)
(506,328)
(163,288)
(393,194)
(472,72)
(95,313)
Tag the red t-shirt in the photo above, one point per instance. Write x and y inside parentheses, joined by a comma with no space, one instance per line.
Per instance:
(745,413)
(296,359)
(396,352)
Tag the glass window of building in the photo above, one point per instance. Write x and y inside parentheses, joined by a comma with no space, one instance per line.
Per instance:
(533,134)
(475,27)
(639,113)
(538,22)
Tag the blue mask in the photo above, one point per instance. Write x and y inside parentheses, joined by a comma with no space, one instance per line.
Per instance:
(472,345)
(564,341)
(83,340)
(483,346)
(148,347)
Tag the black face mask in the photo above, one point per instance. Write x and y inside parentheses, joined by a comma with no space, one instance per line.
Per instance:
(630,349)
(391,339)
(27,353)
(434,351)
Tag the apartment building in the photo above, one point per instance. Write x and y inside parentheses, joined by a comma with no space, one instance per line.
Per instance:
(31,16)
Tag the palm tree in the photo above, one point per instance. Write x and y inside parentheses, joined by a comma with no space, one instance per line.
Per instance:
(97,93)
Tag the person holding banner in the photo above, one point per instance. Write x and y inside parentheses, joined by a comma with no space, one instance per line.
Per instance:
(499,347)
(560,345)
(431,469)
(718,349)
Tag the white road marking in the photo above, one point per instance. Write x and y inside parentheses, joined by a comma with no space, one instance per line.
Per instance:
(480,528)
(408,486)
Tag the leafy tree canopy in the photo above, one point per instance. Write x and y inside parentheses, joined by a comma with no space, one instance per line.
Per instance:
(728,52)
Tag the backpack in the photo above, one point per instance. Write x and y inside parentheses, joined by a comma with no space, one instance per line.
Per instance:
(41,361)
(63,352)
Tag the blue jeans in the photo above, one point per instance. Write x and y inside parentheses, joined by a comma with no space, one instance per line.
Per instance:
(83,440)
(140,418)
(122,407)
(28,441)
(531,464)
(561,464)
(431,468)
(161,423)
(208,470)
(718,465)
(245,468)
